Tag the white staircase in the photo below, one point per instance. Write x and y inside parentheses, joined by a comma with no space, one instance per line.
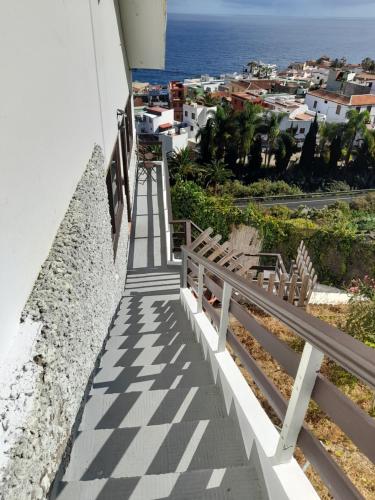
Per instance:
(155,425)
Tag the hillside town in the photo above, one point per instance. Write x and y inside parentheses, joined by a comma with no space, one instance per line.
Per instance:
(324,90)
(187,274)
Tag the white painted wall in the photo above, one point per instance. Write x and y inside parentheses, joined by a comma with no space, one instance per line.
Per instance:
(173,142)
(62,79)
(151,122)
(195,117)
(283,482)
(327,108)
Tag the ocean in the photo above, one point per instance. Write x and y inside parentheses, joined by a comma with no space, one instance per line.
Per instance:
(198,45)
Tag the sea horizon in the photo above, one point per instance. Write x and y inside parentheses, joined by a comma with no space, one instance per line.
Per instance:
(227,42)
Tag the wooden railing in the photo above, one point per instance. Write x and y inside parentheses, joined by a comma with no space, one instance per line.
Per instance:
(205,277)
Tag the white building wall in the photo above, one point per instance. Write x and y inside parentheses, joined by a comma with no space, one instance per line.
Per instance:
(151,122)
(63,77)
(196,117)
(173,142)
(328,108)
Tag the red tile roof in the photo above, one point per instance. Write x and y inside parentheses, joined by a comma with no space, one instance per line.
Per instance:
(363,100)
(330,96)
(156,110)
(365,76)
(165,126)
(246,97)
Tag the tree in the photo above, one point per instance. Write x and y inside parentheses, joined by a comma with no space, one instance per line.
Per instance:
(181,165)
(224,127)
(356,126)
(327,132)
(339,63)
(335,151)
(206,138)
(272,126)
(208,100)
(363,171)
(286,145)
(309,147)
(249,121)
(368,64)
(217,173)
(256,158)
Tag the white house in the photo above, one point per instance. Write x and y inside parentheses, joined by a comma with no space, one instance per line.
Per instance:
(174,140)
(319,75)
(335,106)
(300,120)
(298,116)
(155,120)
(67,173)
(367,79)
(195,116)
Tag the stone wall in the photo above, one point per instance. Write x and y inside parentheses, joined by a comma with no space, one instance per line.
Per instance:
(73,301)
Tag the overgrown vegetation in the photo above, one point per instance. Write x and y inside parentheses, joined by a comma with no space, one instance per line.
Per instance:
(335,236)
(361,320)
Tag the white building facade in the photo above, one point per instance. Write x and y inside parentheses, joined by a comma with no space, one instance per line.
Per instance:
(155,120)
(335,106)
(195,117)
(67,177)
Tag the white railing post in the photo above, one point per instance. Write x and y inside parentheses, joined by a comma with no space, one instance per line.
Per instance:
(308,369)
(200,288)
(184,270)
(224,317)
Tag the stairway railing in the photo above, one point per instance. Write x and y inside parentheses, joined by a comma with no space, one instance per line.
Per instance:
(203,276)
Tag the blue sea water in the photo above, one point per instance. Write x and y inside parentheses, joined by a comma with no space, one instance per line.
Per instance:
(199,45)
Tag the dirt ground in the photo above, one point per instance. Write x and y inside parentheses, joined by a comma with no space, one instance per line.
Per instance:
(357,467)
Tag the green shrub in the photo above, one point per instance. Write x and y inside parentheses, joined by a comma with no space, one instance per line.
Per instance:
(361,320)
(265,187)
(190,201)
(364,203)
(335,186)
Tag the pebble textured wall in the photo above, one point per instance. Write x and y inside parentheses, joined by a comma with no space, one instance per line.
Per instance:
(74,298)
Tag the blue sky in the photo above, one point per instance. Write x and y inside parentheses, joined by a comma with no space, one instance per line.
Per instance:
(312,8)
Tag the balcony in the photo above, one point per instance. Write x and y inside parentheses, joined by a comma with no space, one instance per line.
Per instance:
(138,17)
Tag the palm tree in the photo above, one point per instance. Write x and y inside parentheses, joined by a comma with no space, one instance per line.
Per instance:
(272,125)
(286,146)
(224,127)
(206,139)
(356,125)
(327,132)
(217,173)
(207,100)
(181,165)
(249,121)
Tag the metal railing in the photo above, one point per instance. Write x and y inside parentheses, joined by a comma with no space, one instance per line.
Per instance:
(200,274)
(301,196)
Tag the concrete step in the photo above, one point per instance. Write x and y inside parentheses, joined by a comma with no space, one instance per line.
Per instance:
(116,380)
(232,483)
(155,314)
(152,355)
(137,409)
(149,340)
(156,449)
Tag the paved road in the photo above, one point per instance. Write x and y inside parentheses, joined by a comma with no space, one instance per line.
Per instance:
(295,203)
